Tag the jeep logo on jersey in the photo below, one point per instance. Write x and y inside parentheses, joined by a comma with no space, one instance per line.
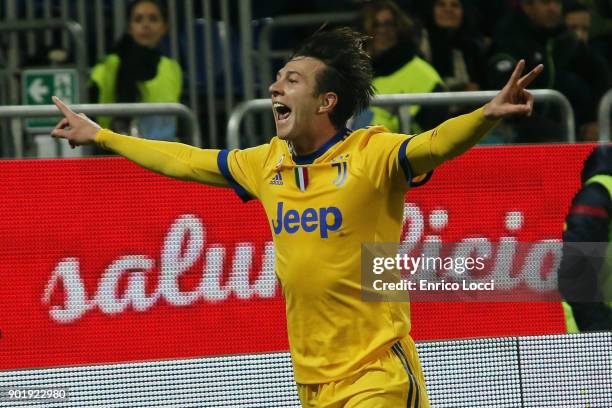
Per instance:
(324,219)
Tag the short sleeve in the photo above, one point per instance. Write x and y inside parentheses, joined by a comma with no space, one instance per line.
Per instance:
(243,169)
(387,164)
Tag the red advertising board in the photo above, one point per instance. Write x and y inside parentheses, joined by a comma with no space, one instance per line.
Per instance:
(102,261)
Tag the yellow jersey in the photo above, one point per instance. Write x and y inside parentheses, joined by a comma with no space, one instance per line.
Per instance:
(321,208)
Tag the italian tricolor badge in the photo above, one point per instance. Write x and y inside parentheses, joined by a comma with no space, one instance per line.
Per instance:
(301,177)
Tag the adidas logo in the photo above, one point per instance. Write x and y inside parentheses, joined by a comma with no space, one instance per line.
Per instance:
(277,180)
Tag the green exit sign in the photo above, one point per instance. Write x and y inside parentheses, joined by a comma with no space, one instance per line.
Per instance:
(39,85)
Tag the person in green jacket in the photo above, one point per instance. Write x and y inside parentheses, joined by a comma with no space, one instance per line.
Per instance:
(398,67)
(136,71)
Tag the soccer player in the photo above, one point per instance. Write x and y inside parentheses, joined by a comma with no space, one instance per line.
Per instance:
(325,190)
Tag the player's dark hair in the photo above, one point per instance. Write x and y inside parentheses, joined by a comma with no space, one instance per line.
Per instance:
(132,5)
(347,71)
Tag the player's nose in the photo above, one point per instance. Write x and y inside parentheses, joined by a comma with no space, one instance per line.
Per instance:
(275,89)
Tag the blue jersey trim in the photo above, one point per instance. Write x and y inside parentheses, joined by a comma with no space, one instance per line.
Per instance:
(223,165)
(405,164)
(403,161)
(309,158)
(424,181)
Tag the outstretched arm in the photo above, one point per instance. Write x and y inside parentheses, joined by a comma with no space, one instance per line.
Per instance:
(170,159)
(457,135)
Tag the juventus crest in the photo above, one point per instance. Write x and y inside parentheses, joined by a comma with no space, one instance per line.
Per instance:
(341,164)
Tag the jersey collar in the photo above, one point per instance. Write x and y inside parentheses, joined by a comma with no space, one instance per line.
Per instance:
(309,158)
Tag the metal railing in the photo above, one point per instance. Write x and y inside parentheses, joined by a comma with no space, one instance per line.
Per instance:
(72,27)
(246,41)
(183,23)
(603,117)
(264,52)
(399,100)
(192,40)
(111,109)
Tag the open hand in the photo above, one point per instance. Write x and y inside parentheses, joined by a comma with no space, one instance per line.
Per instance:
(513,99)
(78,129)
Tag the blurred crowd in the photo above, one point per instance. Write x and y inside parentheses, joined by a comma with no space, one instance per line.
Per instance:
(468,45)
(416,46)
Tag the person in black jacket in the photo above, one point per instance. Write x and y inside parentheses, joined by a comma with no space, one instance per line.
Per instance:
(583,275)
(398,66)
(527,33)
(586,61)
(535,32)
(454,46)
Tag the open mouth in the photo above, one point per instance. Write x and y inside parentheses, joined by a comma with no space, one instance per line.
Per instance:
(281,111)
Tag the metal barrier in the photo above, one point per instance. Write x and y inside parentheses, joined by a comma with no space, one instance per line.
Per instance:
(105,21)
(430,99)
(189,60)
(111,109)
(246,41)
(76,32)
(603,117)
(265,54)
(180,12)
(183,22)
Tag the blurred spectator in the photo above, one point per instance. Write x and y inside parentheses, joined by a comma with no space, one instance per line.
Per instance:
(601,27)
(535,32)
(397,66)
(136,71)
(484,14)
(585,274)
(453,46)
(586,62)
(526,33)
(601,17)
(577,19)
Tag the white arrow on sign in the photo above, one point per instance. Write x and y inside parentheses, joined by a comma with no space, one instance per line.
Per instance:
(38,90)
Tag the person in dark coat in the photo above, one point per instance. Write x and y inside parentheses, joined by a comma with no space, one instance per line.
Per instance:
(585,274)
(454,46)
(535,32)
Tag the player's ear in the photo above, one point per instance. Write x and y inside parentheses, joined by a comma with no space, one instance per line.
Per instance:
(328,101)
